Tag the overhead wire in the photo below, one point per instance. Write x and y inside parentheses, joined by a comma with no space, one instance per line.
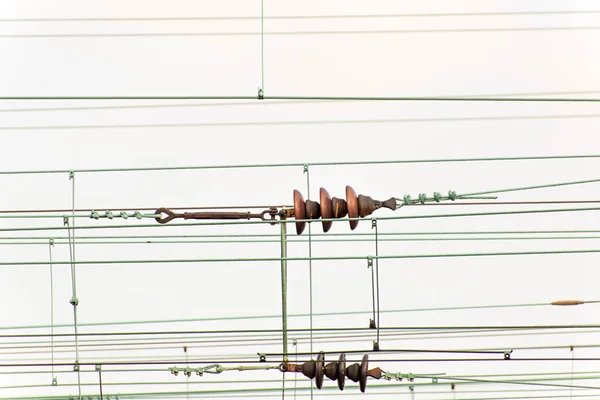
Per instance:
(288,17)
(296,33)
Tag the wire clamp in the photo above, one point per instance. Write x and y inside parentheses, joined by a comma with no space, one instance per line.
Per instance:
(375,345)
(373,223)
(74,301)
(369,261)
(51,242)
(71,174)
(187,372)
(65,220)
(261,94)
(138,215)
(174,370)
(437,196)
(407,199)
(109,215)
(98,368)
(411,388)
(507,354)
(55,381)
(434,380)
(262,357)
(94,215)
(422,198)
(124,215)
(76,367)
(452,195)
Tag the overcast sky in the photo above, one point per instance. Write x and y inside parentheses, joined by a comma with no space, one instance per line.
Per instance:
(495,52)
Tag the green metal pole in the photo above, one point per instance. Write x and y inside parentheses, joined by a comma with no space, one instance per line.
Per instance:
(284,289)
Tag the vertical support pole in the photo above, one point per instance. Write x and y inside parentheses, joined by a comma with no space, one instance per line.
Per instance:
(74,300)
(99,369)
(50,245)
(283,226)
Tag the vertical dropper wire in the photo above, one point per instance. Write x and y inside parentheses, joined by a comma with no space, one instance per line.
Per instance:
(187,382)
(100,381)
(74,300)
(310,274)
(262,44)
(377,276)
(50,244)
(295,342)
(572,369)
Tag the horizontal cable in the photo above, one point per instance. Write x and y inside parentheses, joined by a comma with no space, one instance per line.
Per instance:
(303,122)
(311,164)
(304,98)
(85,242)
(294,33)
(267,102)
(170,321)
(290,221)
(288,17)
(278,259)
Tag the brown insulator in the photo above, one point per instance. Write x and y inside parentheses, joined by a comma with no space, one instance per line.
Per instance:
(352,372)
(363,372)
(339,207)
(319,372)
(366,205)
(352,201)
(359,372)
(313,210)
(308,369)
(331,370)
(299,211)
(341,376)
(326,208)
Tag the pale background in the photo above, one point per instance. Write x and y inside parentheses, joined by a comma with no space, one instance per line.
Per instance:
(561,63)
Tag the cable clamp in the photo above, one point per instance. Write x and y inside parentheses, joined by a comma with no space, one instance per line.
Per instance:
(76,367)
(262,357)
(373,223)
(65,220)
(55,381)
(261,94)
(375,346)
(71,174)
(305,168)
(369,261)
(74,301)
(98,367)
(51,242)
(507,354)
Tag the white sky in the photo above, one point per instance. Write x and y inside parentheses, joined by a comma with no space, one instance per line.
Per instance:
(562,62)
